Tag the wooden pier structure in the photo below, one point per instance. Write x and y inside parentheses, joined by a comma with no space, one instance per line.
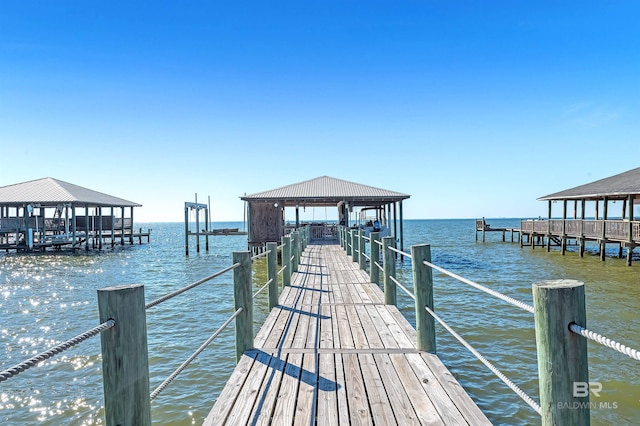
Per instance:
(331,352)
(52,214)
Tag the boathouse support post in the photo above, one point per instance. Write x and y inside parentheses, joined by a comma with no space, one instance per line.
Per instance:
(389,267)
(423,291)
(548,229)
(374,248)
(583,204)
(630,245)
(243,299)
(125,358)
(286,261)
(562,355)
(563,243)
(272,273)
(362,259)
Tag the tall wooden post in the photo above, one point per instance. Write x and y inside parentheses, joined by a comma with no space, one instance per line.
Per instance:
(630,245)
(349,241)
(295,250)
(362,259)
(356,246)
(243,299)
(389,266)
(374,271)
(562,355)
(423,291)
(286,261)
(122,226)
(125,358)
(272,273)
(186,230)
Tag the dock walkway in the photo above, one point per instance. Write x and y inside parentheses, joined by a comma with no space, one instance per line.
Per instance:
(332,353)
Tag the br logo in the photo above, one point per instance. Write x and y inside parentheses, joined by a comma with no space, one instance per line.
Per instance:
(582,389)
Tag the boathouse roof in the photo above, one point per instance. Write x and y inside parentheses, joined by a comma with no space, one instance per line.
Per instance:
(327,191)
(50,191)
(617,186)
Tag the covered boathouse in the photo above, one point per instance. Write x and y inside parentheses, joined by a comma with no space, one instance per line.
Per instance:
(50,213)
(357,206)
(610,203)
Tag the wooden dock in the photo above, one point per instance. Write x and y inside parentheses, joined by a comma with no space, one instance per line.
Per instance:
(332,353)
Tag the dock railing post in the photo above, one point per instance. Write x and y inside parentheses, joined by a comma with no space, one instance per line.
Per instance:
(362,259)
(562,355)
(356,246)
(389,267)
(286,261)
(423,291)
(125,357)
(349,242)
(374,271)
(243,299)
(295,248)
(272,273)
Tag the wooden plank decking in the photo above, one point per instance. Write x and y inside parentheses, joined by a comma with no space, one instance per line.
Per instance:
(332,353)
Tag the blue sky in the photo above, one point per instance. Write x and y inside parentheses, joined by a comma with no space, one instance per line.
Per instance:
(474,108)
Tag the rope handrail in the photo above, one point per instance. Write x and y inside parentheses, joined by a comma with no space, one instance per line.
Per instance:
(190,286)
(202,347)
(282,269)
(526,398)
(280,246)
(598,338)
(494,293)
(378,242)
(258,256)
(402,287)
(262,288)
(19,368)
(399,252)
(366,238)
(379,266)
(366,257)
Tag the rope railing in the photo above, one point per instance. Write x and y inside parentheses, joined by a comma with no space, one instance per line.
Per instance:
(282,269)
(494,293)
(202,347)
(604,341)
(262,288)
(190,286)
(379,266)
(526,398)
(25,365)
(403,288)
(400,252)
(258,256)
(365,256)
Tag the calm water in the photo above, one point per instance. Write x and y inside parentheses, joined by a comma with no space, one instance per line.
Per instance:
(49,298)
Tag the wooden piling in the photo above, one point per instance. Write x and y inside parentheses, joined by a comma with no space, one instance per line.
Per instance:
(286,261)
(125,358)
(423,292)
(562,354)
(389,266)
(374,271)
(272,274)
(362,259)
(243,298)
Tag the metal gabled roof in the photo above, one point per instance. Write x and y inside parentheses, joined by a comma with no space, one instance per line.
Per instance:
(326,190)
(50,191)
(617,186)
